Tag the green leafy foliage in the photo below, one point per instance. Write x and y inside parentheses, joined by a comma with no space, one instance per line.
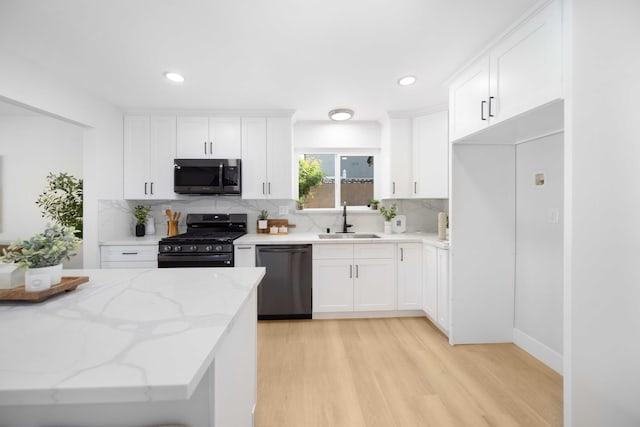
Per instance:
(61,201)
(141,213)
(264,214)
(45,249)
(310,175)
(390,213)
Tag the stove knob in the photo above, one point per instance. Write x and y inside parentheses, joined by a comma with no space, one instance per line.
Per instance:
(218,248)
(208,248)
(166,248)
(177,248)
(193,248)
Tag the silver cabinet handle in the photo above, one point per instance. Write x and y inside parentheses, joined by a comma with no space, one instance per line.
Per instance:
(243,247)
(351,272)
(401,254)
(491,98)
(356,271)
(210,147)
(482,104)
(205,147)
(269,188)
(145,188)
(263,188)
(151,188)
(415,187)
(129,253)
(394,188)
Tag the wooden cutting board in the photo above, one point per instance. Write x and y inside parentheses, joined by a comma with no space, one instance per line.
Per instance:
(68,284)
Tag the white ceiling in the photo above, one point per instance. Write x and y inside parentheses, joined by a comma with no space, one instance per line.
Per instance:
(306,55)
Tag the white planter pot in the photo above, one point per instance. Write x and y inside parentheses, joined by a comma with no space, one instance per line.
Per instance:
(150,226)
(39,279)
(262,224)
(387,227)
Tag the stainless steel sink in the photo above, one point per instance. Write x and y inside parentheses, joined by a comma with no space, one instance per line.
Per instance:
(348,236)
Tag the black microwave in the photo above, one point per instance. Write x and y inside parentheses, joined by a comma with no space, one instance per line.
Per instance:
(207,176)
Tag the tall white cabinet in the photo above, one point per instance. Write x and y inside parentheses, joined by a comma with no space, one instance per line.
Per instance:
(267,158)
(149,150)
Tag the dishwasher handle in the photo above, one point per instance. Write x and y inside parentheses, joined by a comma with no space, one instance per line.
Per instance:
(281,249)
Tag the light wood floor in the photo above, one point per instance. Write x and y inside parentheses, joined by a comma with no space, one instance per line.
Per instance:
(396,372)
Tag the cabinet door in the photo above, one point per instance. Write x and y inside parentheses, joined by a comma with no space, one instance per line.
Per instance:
(468,97)
(279,159)
(431,156)
(192,138)
(526,66)
(443,289)
(136,157)
(224,135)
(162,151)
(254,158)
(430,281)
(374,285)
(332,285)
(244,256)
(410,276)
(399,155)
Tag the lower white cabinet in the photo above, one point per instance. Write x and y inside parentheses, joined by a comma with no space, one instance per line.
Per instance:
(354,277)
(244,255)
(409,258)
(129,256)
(435,285)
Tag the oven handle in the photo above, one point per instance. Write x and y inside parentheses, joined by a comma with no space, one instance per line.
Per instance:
(198,258)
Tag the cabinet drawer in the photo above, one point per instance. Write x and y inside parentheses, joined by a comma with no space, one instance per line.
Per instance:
(374,250)
(129,253)
(333,251)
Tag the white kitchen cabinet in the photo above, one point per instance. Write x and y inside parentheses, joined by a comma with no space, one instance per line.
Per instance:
(208,137)
(443,289)
(129,256)
(430,281)
(244,255)
(397,152)
(267,158)
(149,150)
(430,147)
(354,277)
(409,256)
(521,71)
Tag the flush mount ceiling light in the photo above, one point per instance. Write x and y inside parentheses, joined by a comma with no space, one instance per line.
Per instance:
(340,114)
(406,80)
(174,77)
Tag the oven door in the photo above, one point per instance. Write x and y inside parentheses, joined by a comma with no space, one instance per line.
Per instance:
(195,260)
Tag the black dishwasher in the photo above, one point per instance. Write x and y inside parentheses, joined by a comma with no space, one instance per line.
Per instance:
(285,291)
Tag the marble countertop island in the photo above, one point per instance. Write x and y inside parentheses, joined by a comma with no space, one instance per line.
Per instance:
(125,336)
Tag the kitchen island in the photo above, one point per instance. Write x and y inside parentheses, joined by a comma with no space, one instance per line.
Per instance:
(134,348)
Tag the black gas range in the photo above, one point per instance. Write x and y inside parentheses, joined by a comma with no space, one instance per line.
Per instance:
(208,241)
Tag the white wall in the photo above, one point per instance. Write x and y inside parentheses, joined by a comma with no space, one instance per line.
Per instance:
(30,148)
(538,283)
(24,83)
(603,180)
(482,243)
(336,136)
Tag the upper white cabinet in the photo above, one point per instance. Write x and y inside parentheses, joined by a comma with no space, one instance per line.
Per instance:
(522,71)
(430,148)
(409,276)
(415,152)
(267,158)
(149,150)
(208,137)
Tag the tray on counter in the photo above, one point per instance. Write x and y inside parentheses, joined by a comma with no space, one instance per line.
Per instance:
(68,284)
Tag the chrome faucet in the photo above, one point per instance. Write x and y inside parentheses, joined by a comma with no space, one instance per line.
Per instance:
(344,219)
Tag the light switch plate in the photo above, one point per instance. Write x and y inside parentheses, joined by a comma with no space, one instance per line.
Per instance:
(283,210)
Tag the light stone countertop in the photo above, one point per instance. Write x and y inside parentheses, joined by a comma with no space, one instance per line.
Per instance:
(125,336)
(304,238)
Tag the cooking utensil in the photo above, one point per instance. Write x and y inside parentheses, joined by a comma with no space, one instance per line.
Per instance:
(168,212)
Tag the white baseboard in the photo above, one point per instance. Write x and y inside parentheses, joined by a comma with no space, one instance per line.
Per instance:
(546,355)
(368,314)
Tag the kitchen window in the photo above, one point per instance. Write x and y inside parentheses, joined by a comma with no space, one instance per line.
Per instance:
(347,177)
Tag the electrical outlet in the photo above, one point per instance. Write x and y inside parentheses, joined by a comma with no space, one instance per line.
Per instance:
(283,210)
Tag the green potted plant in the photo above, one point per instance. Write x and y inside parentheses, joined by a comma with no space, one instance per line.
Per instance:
(310,175)
(262,220)
(42,255)
(62,201)
(141,213)
(388,215)
(373,203)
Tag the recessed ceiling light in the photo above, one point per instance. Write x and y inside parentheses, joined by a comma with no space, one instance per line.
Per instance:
(174,77)
(340,114)
(406,80)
